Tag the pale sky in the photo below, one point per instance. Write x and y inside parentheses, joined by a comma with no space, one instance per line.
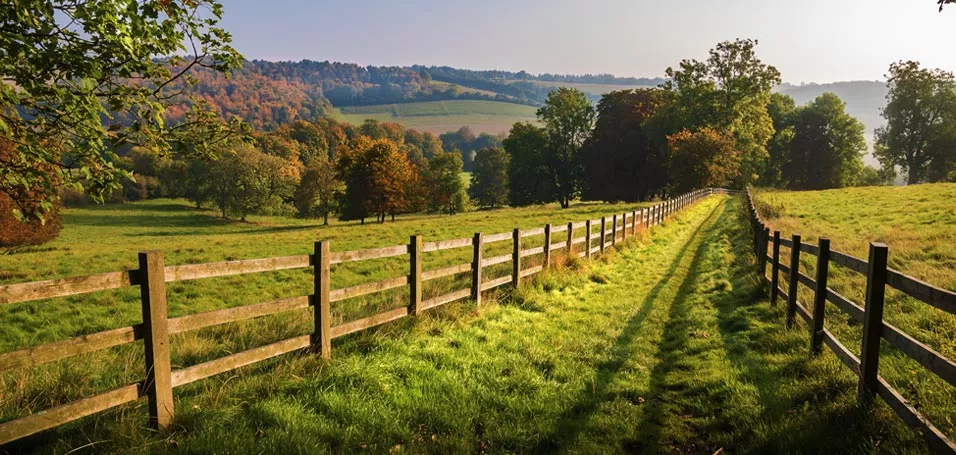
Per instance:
(808,41)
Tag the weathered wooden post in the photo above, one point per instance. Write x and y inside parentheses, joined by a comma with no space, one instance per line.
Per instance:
(415,274)
(570,245)
(516,258)
(614,230)
(477,242)
(158,386)
(794,280)
(775,269)
(820,296)
(762,260)
(624,226)
(321,301)
(603,227)
(587,239)
(872,321)
(547,245)
(634,222)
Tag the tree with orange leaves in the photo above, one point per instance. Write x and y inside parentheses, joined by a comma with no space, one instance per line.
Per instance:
(703,158)
(377,175)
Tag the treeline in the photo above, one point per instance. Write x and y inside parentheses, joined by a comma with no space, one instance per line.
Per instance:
(713,123)
(309,169)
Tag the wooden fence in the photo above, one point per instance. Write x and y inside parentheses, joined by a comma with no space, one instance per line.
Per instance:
(878,276)
(156,328)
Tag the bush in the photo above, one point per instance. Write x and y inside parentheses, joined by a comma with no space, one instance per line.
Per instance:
(14,232)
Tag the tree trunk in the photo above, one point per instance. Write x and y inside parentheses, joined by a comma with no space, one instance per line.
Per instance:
(325,222)
(393,217)
(913,177)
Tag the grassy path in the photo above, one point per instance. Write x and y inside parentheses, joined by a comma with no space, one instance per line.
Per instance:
(664,346)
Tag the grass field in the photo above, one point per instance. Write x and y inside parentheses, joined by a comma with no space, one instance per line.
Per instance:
(661,347)
(443,116)
(918,223)
(593,89)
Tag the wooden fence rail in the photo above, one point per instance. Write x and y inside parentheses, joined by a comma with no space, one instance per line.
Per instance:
(878,276)
(156,327)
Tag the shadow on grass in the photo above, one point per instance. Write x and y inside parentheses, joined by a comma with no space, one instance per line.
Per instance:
(573,421)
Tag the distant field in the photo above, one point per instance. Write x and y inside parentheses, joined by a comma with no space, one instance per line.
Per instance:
(918,223)
(594,89)
(443,116)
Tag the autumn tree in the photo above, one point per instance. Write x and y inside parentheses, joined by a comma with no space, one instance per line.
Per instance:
(827,147)
(446,193)
(920,115)
(376,176)
(489,178)
(703,158)
(319,190)
(528,176)
(81,80)
(15,231)
(620,159)
(567,116)
(730,92)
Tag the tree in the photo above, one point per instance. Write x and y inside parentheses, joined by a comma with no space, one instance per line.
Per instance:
(728,92)
(245,181)
(781,109)
(376,176)
(319,190)
(621,162)
(568,117)
(14,231)
(489,178)
(827,147)
(528,176)
(444,183)
(704,158)
(920,112)
(81,80)
(870,176)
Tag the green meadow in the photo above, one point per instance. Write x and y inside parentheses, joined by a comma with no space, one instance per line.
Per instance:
(664,345)
(443,116)
(918,224)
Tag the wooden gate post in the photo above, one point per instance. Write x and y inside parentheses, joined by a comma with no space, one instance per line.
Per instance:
(516,258)
(415,274)
(587,239)
(794,280)
(158,386)
(872,321)
(820,296)
(477,242)
(547,245)
(322,313)
(775,269)
(570,245)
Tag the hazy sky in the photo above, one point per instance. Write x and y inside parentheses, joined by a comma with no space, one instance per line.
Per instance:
(808,41)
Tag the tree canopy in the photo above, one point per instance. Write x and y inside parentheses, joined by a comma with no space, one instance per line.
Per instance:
(568,118)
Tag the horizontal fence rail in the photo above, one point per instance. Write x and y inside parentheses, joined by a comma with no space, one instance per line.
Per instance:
(878,277)
(156,327)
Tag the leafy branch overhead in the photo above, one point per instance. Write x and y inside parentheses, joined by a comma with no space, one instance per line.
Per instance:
(82,80)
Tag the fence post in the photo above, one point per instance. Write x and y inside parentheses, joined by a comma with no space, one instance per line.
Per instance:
(322,313)
(794,280)
(415,274)
(547,245)
(820,296)
(516,258)
(762,260)
(634,222)
(158,385)
(624,226)
(775,269)
(603,227)
(872,321)
(477,241)
(614,230)
(587,239)
(570,245)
